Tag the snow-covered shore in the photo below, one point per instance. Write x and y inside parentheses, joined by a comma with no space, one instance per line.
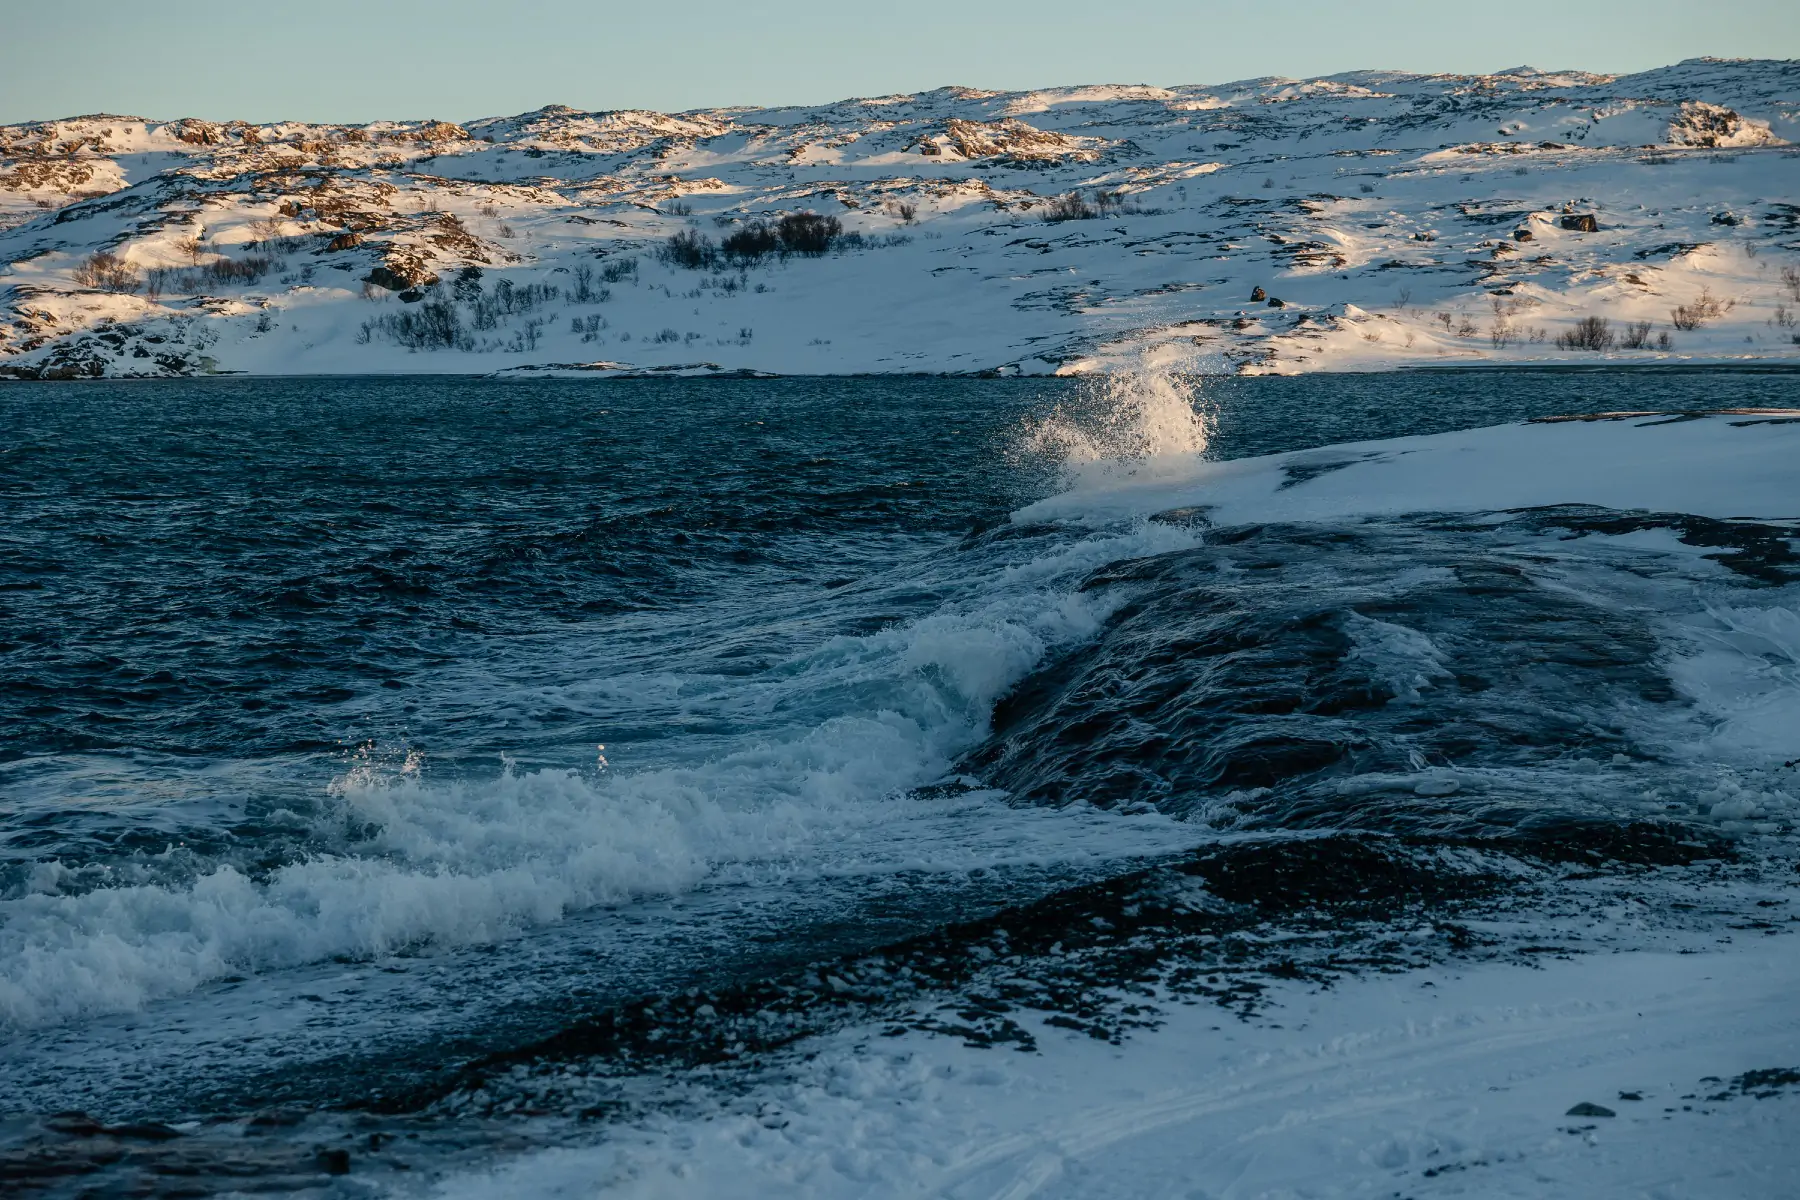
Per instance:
(1367,221)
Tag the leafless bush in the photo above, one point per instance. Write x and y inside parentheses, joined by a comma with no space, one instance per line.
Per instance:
(1790,279)
(1783,317)
(1664,341)
(1502,333)
(1070,206)
(678,208)
(908,213)
(585,291)
(1589,333)
(689,249)
(1636,336)
(666,335)
(107,272)
(618,270)
(1368,189)
(1688,317)
(808,233)
(433,325)
(750,244)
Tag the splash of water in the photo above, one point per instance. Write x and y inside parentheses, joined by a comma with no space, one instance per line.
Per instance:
(1134,423)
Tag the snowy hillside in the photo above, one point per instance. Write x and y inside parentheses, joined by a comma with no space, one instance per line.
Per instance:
(1360,221)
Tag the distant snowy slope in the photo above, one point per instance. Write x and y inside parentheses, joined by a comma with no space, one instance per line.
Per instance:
(1377,218)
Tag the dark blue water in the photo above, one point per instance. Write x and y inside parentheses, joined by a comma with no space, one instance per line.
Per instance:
(316,680)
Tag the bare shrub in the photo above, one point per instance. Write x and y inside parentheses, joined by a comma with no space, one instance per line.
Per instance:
(1368,189)
(507,299)
(248,269)
(433,325)
(1664,341)
(666,335)
(107,272)
(1466,329)
(618,270)
(1502,333)
(908,213)
(1589,333)
(585,291)
(689,249)
(1688,317)
(1790,279)
(748,246)
(1070,206)
(808,233)
(1636,336)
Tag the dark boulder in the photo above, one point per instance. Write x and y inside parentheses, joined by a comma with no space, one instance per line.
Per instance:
(1581,223)
(1257,294)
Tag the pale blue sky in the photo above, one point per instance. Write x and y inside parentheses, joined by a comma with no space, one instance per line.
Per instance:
(344,60)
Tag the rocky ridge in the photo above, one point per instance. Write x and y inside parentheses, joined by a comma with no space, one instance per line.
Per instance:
(1367,220)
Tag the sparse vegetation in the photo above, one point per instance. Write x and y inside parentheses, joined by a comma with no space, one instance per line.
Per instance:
(1688,317)
(1636,336)
(689,249)
(808,233)
(748,246)
(107,272)
(433,325)
(1589,333)
(1790,279)
(1074,206)
(618,270)
(585,292)
(803,233)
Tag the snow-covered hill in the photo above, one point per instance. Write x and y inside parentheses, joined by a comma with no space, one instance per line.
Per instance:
(1360,221)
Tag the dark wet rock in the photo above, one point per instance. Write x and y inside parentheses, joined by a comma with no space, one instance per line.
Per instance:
(1584,1109)
(144,1131)
(1228,686)
(73,1124)
(1276,302)
(1257,295)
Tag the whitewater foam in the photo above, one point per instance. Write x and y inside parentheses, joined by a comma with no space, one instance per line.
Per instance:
(1142,424)
(851,725)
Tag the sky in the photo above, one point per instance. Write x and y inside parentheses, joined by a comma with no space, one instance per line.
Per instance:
(359,60)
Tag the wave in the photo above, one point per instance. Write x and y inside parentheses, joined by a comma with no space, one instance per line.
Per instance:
(426,863)
(1137,424)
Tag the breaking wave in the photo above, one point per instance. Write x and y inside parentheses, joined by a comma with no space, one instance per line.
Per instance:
(1138,423)
(417,862)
